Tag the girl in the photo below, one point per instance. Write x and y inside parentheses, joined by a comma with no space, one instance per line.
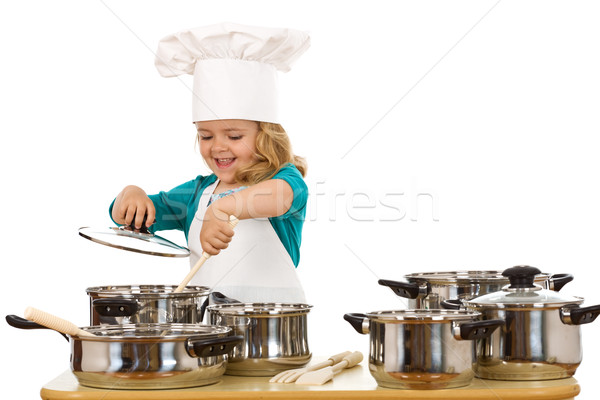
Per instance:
(255,176)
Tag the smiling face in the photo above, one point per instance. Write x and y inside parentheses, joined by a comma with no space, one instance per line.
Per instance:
(226,145)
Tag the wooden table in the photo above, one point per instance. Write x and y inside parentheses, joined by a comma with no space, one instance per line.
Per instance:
(355,383)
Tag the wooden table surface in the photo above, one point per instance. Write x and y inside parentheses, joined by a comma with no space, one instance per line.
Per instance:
(354,383)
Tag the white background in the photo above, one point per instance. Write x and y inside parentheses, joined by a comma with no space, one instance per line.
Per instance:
(475,120)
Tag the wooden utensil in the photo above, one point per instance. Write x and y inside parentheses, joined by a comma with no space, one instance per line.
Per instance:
(324,375)
(291,375)
(54,322)
(233,221)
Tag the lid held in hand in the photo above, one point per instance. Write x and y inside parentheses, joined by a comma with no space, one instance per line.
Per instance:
(139,241)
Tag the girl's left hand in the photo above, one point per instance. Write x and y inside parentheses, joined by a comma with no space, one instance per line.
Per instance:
(216,233)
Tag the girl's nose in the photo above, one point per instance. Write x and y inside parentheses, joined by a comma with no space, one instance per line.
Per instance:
(219,144)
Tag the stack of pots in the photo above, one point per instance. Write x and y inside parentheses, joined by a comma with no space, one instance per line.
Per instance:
(147,337)
(274,335)
(528,330)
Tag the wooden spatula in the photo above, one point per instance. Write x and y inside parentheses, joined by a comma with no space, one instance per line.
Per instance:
(233,221)
(324,375)
(54,322)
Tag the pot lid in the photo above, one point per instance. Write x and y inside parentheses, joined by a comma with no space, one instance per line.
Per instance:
(153,331)
(466,277)
(522,292)
(139,241)
(422,315)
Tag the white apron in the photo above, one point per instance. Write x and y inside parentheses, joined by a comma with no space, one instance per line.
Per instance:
(255,268)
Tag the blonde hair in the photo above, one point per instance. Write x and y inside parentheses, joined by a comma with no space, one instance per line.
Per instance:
(273,151)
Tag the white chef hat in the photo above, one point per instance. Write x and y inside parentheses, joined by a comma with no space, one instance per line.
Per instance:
(234,67)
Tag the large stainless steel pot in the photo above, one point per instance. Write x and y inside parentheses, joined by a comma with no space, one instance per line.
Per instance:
(541,338)
(275,336)
(124,304)
(428,289)
(422,349)
(147,356)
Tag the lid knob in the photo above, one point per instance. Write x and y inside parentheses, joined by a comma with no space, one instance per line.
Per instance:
(521,276)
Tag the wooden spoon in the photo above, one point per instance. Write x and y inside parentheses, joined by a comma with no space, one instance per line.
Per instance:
(233,221)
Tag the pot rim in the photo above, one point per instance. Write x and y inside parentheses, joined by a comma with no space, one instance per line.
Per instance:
(466,277)
(260,309)
(146,291)
(423,315)
(151,332)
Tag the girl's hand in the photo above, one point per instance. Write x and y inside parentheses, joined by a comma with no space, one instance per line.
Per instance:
(133,201)
(216,233)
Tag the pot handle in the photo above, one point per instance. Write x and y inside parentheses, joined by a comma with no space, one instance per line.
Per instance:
(220,298)
(557,281)
(407,289)
(360,322)
(477,329)
(22,323)
(198,346)
(115,307)
(575,315)
(451,304)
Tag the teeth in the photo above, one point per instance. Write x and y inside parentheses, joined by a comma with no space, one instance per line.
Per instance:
(224,160)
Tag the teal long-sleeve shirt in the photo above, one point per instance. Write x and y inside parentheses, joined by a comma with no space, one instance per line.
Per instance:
(176,208)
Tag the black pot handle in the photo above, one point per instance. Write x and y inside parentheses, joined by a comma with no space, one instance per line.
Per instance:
(579,315)
(220,298)
(22,323)
(357,321)
(198,346)
(203,308)
(451,304)
(406,289)
(115,307)
(477,329)
(558,281)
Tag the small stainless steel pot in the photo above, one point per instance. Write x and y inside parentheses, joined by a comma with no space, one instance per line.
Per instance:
(147,356)
(125,304)
(541,338)
(275,336)
(422,349)
(428,289)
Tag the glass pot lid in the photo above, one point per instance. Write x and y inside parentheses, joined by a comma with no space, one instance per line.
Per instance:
(465,277)
(139,241)
(154,331)
(522,292)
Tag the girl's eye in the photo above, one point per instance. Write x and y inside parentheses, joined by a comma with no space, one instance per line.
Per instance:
(235,137)
(204,137)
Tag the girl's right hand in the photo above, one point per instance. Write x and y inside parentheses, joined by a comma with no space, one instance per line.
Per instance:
(133,201)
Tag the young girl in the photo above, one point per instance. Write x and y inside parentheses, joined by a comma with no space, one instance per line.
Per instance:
(255,178)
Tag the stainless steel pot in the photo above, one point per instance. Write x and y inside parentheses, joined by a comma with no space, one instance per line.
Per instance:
(124,304)
(422,349)
(541,338)
(147,356)
(428,289)
(275,336)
